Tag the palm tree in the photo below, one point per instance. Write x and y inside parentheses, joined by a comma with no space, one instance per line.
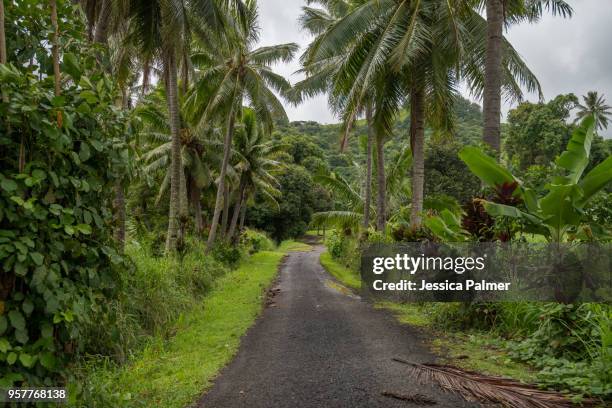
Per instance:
(55,52)
(500,13)
(410,51)
(161,30)
(595,105)
(320,78)
(200,151)
(238,72)
(255,166)
(2,35)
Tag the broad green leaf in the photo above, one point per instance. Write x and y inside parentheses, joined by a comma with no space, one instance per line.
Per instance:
(576,157)
(485,167)
(71,66)
(558,207)
(27,306)
(37,257)
(8,185)
(11,358)
(26,360)
(48,360)
(84,229)
(4,345)
(502,210)
(17,320)
(84,152)
(21,336)
(595,180)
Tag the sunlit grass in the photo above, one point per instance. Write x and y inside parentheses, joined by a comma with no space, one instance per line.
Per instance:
(175,373)
(340,272)
(293,246)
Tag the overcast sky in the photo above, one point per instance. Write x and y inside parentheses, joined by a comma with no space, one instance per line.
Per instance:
(566,55)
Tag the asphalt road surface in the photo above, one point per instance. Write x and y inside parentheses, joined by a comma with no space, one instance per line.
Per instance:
(317,346)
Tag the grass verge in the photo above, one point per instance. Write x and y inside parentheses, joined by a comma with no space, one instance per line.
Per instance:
(340,272)
(472,351)
(176,372)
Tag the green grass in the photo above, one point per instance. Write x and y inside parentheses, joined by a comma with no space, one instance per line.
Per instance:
(340,272)
(175,373)
(476,351)
(293,246)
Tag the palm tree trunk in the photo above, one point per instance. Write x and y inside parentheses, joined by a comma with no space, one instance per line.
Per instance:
(175,166)
(119,215)
(55,47)
(243,213)
(417,143)
(227,147)
(101,33)
(197,207)
(2,35)
(493,74)
(183,207)
(367,192)
(237,208)
(226,207)
(381,198)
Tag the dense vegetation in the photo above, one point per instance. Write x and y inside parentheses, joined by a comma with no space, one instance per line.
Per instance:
(145,144)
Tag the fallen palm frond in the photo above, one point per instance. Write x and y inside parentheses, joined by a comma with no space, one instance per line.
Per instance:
(418,399)
(475,386)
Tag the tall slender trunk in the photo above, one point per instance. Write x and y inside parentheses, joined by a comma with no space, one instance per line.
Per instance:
(7,279)
(175,166)
(119,204)
(183,207)
(493,74)
(55,47)
(417,143)
(226,207)
(119,201)
(197,207)
(146,73)
(103,22)
(367,191)
(243,213)
(227,147)
(2,35)
(381,212)
(237,208)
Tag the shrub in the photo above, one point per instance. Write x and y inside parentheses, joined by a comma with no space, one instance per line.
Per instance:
(255,241)
(58,260)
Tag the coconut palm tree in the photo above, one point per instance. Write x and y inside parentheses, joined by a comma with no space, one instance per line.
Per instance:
(594,104)
(161,30)
(254,165)
(238,72)
(316,21)
(200,153)
(501,13)
(416,52)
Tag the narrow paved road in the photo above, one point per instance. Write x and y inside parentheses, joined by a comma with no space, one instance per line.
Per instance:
(317,347)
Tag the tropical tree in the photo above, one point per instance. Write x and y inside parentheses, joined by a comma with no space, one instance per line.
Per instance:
(595,105)
(162,30)
(320,78)
(237,71)
(398,51)
(500,13)
(200,153)
(254,165)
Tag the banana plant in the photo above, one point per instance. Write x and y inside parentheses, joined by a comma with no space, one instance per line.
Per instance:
(561,210)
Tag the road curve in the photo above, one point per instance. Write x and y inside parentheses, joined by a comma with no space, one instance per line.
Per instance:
(318,347)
